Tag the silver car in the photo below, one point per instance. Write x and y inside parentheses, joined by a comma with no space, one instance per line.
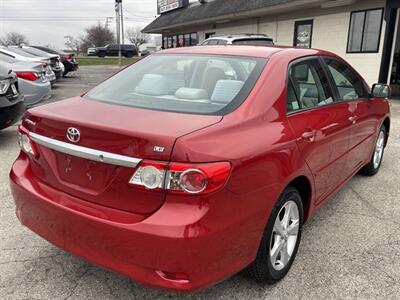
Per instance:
(20,55)
(55,62)
(32,81)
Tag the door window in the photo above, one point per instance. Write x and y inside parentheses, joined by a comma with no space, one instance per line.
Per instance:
(349,85)
(308,86)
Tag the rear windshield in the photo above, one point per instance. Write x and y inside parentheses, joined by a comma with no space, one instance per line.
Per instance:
(20,52)
(198,84)
(253,42)
(7,58)
(35,52)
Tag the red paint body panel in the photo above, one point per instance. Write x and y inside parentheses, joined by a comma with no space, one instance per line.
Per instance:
(206,237)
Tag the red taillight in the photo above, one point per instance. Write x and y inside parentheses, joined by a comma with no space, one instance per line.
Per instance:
(68,57)
(25,142)
(181,178)
(31,76)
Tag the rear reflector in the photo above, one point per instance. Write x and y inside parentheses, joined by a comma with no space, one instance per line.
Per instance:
(181,178)
(25,142)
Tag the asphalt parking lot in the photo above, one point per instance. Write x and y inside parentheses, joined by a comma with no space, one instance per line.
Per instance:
(350,249)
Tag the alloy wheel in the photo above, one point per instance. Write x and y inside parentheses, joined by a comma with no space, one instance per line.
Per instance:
(284,235)
(378,153)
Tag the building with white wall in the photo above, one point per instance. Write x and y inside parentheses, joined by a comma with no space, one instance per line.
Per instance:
(364,32)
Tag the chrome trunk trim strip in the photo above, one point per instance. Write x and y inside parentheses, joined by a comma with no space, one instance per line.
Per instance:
(87,153)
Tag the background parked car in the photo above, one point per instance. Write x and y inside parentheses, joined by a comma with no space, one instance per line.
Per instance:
(11,100)
(32,81)
(240,39)
(55,62)
(20,55)
(68,59)
(113,50)
(91,52)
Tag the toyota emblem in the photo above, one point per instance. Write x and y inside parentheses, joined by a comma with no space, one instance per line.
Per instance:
(73,135)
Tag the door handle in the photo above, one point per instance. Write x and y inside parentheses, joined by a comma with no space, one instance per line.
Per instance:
(309,135)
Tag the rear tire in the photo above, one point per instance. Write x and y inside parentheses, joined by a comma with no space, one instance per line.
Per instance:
(281,239)
(374,164)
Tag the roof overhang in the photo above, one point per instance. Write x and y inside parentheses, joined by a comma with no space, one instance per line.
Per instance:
(224,18)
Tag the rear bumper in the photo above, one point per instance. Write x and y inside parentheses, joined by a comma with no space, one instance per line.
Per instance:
(180,238)
(35,92)
(11,114)
(58,72)
(71,67)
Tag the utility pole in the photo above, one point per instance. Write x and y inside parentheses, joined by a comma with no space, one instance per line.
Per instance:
(118,21)
(108,21)
(122,24)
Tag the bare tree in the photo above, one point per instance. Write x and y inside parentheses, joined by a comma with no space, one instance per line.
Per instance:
(97,36)
(73,44)
(137,37)
(14,38)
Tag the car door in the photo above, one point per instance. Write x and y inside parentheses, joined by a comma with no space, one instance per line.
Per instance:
(319,123)
(352,89)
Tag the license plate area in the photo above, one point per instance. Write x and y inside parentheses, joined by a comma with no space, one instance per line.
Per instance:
(87,174)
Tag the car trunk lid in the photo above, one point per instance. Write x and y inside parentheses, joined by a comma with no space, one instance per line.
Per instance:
(128,133)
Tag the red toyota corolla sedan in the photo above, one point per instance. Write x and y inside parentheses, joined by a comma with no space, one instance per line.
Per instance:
(195,163)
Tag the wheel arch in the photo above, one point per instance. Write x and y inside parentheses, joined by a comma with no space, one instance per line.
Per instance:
(386,123)
(303,185)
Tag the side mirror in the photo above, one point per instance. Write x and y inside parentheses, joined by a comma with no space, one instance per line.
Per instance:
(380,91)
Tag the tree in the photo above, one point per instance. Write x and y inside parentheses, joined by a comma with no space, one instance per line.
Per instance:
(14,38)
(137,37)
(73,44)
(97,36)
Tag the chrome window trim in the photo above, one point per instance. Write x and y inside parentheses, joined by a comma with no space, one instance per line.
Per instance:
(87,153)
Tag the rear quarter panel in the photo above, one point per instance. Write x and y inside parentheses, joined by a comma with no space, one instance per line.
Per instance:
(259,143)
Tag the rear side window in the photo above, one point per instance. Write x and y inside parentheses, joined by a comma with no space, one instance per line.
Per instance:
(349,85)
(199,84)
(308,86)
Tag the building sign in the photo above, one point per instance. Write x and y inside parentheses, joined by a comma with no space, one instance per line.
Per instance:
(303,34)
(164,6)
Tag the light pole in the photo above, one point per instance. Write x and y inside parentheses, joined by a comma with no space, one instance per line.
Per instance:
(118,20)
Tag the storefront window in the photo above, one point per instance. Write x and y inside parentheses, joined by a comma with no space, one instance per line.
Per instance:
(187,39)
(165,42)
(365,31)
(174,44)
(181,40)
(194,39)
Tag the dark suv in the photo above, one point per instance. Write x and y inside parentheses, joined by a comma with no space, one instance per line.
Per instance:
(11,101)
(113,50)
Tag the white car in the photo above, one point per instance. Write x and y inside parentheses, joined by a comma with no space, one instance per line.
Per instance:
(91,51)
(240,39)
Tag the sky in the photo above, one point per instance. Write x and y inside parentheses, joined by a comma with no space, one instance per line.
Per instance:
(46,22)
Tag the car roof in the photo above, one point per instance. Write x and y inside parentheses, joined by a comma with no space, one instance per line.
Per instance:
(246,50)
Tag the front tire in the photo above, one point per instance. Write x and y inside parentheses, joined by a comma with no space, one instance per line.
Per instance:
(377,156)
(281,239)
